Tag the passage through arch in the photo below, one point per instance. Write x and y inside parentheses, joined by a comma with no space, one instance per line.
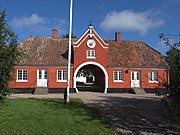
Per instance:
(90,76)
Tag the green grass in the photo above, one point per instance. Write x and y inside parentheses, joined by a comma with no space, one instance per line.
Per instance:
(48,117)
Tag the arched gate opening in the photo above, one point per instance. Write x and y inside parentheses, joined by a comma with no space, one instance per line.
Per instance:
(91,76)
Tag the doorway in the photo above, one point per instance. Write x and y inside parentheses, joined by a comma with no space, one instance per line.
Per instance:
(42,78)
(135,79)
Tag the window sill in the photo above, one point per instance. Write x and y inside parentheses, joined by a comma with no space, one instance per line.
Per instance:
(118,81)
(91,57)
(61,81)
(21,80)
(153,82)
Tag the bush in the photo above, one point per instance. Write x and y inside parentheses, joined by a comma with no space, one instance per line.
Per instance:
(3,101)
(9,53)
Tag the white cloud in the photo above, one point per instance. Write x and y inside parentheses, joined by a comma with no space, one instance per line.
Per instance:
(30,21)
(38,25)
(129,20)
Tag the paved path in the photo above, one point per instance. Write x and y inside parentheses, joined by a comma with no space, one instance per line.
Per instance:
(139,114)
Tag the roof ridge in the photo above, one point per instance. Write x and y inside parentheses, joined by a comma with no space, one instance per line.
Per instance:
(126,40)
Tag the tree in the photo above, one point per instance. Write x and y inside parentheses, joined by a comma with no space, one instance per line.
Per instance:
(173,59)
(67,36)
(9,53)
(85,73)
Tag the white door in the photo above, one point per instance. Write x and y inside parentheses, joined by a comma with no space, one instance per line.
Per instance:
(42,78)
(135,79)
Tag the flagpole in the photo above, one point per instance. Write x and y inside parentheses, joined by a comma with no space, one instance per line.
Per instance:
(69,53)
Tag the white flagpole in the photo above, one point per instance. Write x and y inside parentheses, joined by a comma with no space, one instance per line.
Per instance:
(69,53)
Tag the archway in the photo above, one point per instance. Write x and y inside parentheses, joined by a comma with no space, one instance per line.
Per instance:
(98,77)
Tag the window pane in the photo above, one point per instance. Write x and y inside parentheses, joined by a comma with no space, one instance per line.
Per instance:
(65,75)
(19,74)
(93,53)
(115,75)
(120,75)
(40,74)
(62,75)
(24,74)
(132,75)
(59,75)
(155,76)
(150,76)
(138,76)
(90,53)
(45,74)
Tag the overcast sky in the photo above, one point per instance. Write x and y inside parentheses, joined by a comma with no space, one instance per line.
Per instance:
(138,20)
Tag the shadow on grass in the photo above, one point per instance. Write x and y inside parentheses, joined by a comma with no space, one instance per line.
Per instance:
(135,115)
(75,106)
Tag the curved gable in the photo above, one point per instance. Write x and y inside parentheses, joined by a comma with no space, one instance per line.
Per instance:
(90,33)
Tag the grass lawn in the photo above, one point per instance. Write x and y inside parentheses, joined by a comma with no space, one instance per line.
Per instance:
(48,117)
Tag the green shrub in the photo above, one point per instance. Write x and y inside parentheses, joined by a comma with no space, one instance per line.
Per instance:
(3,101)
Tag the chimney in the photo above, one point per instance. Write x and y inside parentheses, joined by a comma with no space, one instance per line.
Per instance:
(118,37)
(54,33)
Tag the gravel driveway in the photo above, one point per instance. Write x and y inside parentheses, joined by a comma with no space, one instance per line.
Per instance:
(126,114)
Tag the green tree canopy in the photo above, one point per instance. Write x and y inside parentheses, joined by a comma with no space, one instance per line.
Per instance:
(173,59)
(67,36)
(9,53)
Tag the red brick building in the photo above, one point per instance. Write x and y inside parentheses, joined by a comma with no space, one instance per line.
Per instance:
(116,65)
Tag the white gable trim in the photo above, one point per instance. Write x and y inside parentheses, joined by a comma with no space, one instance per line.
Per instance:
(81,42)
(100,42)
(100,38)
(77,44)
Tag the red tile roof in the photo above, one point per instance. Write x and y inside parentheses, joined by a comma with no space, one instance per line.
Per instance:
(134,53)
(44,51)
(53,52)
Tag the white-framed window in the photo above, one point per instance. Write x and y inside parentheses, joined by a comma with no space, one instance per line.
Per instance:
(22,75)
(118,76)
(90,54)
(61,75)
(153,76)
